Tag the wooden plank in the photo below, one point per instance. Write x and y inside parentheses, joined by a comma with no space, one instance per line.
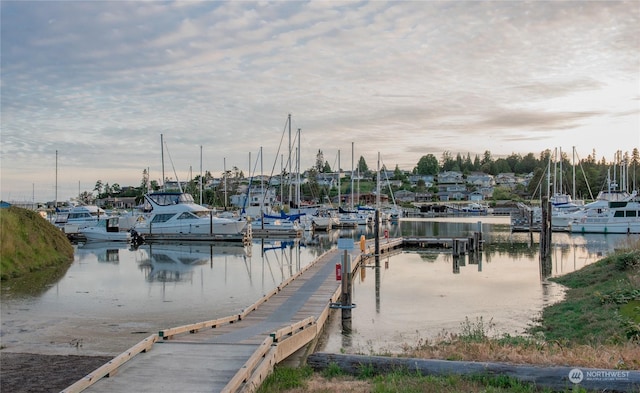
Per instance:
(247,369)
(195,327)
(291,344)
(110,367)
(261,372)
(292,329)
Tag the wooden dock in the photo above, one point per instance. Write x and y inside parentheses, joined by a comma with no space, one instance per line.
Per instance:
(236,353)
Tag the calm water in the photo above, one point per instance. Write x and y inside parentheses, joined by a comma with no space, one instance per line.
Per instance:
(113,296)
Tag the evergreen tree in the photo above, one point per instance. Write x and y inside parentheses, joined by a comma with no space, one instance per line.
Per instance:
(476,163)
(362,165)
(428,165)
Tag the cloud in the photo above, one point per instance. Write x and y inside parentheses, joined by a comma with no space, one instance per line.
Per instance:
(105,79)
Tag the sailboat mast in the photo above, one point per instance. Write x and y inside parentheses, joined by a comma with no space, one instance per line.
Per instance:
(378,185)
(352,172)
(298,175)
(339,196)
(289,158)
(548,176)
(164,188)
(55,201)
(224,164)
(264,194)
(201,174)
(573,165)
(560,191)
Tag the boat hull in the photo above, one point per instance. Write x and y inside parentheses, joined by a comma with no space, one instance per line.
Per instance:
(200,227)
(92,235)
(606,227)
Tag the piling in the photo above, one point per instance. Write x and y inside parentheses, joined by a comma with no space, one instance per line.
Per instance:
(456,248)
(346,292)
(545,229)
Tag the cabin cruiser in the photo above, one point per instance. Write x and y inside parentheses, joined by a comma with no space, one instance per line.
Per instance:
(176,213)
(78,217)
(615,217)
(561,220)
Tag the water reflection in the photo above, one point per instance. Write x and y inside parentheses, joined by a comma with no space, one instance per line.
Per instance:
(108,252)
(423,293)
(175,262)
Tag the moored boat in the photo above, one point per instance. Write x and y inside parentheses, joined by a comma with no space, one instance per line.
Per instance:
(78,217)
(561,220)
(616,217)
(106,230)
(176,214)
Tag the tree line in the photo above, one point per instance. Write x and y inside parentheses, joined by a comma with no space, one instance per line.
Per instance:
(592,174)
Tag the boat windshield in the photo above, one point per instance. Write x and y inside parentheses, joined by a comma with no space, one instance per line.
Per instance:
(613,195)
(167,199)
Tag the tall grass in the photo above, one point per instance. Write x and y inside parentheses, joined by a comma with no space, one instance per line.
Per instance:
(29,243)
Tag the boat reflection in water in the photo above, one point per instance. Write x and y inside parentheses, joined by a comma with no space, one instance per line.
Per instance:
(174,262)
(103,251)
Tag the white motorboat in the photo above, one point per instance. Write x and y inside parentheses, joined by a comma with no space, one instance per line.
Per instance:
(616,217)
(79,217)
(176,213)
(562,219)
(106,230)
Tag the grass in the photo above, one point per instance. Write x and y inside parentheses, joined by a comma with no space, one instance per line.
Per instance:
(601,304)
(292,380)
(596,326)
(29,243)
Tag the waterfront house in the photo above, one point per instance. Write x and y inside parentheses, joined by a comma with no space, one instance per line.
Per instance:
(404,196)
(506,180)
(479,179)
(450,177)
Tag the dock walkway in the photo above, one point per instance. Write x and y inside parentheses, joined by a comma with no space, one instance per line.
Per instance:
(234,353)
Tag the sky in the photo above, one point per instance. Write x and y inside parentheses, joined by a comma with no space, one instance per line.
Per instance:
(88,87)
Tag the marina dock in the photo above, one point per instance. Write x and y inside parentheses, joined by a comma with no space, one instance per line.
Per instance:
(236,353)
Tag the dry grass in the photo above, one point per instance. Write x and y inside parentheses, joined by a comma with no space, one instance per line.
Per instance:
(344,384)
(625,356)
(629,243)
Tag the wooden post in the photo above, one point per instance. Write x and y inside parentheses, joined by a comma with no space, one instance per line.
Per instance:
(545,238)
(346,293)
(455,249)
(476,242)
(545,229)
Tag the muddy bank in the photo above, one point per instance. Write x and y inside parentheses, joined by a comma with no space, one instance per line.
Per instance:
(33,373)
